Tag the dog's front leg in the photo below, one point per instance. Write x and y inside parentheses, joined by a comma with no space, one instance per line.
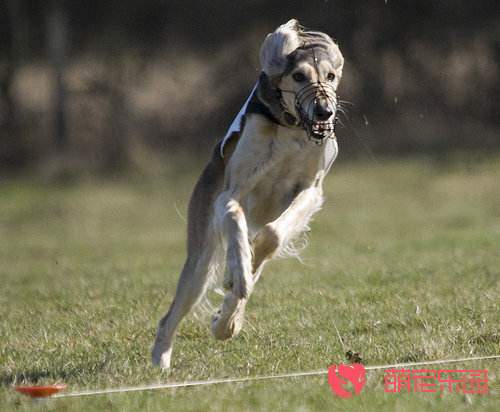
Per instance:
(278,233)
(227,322)
(233,225)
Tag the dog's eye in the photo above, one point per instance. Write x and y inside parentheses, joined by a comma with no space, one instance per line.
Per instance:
(299,77)
(331,77)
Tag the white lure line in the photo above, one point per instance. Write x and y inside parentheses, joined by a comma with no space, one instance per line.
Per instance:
(257,378)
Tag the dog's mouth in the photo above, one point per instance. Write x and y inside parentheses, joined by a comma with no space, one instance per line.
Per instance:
(320,130)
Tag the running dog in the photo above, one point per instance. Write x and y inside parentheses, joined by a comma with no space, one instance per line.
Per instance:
(264,180)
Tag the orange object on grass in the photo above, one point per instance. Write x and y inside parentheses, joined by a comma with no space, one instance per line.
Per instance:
(40,391)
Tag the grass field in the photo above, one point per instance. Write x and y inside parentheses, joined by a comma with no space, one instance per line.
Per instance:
(404,260)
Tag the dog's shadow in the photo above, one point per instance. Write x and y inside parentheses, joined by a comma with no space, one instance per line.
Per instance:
(36,376)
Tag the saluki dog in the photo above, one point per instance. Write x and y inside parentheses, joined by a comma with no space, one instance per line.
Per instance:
(264,180)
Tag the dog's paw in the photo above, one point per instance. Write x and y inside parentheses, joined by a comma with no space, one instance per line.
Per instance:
(266,242)
(221,329)
(228,321)
(161,358)
(265,245)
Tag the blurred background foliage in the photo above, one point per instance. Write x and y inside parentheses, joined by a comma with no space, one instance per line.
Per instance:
(102,86)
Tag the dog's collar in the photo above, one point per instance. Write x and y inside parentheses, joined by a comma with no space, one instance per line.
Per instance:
(256,106)
(269,102)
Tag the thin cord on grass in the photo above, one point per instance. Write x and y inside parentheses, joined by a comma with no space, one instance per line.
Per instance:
(257,378)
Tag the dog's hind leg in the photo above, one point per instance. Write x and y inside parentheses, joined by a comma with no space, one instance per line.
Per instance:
(191,287)
(201,261)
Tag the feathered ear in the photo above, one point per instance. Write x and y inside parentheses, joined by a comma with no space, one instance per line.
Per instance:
(339,60)
(277,46)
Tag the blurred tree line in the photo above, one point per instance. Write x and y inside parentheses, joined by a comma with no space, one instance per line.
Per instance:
(106,85)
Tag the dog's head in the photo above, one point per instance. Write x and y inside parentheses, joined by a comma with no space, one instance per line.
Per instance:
(301,72)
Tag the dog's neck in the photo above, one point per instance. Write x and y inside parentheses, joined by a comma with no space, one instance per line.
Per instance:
(267,101)
(255,105)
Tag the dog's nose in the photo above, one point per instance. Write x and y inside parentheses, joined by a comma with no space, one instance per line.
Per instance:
(322,111)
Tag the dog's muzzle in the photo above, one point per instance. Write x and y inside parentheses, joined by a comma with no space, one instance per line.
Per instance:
(316,106)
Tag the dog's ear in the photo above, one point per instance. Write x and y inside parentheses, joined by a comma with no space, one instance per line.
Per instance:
(338,61)
(277,46)
(268,92)
(339,58)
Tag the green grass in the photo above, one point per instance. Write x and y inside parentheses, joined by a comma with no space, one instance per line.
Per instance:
(404,260)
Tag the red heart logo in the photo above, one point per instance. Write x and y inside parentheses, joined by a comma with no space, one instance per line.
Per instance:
(355,373)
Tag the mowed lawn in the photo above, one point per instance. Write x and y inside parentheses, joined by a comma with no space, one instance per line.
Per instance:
(404,260)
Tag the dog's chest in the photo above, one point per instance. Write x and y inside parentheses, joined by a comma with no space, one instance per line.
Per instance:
(271,165)
(292,165)
(274,193)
